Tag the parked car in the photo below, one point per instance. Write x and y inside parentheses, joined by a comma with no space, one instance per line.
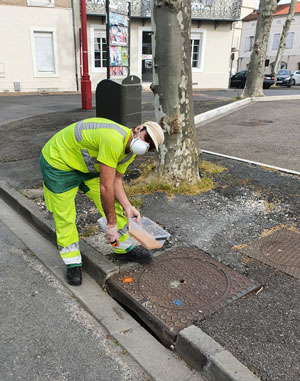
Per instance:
(284,78)
(239,80)
(296,77)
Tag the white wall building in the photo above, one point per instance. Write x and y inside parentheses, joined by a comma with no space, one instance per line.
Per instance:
(40,43)
(37,46)
(291,56)
(247,7)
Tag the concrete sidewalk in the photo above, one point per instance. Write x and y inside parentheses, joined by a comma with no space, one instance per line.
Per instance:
(261,331)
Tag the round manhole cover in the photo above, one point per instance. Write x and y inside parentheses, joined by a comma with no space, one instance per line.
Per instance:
(185,282)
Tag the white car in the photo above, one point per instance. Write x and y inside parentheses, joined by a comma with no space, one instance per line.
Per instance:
(296,77)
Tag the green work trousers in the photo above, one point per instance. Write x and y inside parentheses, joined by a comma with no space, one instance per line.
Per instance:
(62,205)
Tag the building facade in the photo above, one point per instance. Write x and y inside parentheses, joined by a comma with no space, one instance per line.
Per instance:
(247,7)
(37,46)
(211,40)
(41,46)
(291,56)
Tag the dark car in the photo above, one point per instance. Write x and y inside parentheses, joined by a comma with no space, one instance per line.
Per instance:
(284,78)
(239,80)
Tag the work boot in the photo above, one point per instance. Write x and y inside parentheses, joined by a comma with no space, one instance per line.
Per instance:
(138,255)
(74,276)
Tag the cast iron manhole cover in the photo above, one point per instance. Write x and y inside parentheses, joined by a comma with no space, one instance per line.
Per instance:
(280,250)
(178,289)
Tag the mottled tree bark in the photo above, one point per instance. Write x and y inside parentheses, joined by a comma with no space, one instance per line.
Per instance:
(255,75)
(172,88)
(284,33)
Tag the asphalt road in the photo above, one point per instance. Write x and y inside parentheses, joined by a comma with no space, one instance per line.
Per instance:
(23,106)
(261,132)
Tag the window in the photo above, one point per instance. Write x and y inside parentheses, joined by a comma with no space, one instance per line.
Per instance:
(276,39)
(289,40)
(195,52)
(249,43)
(40,3)
(44,52)
(99,49)
(197,48)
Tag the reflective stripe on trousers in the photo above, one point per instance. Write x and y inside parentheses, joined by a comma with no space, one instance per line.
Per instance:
(70,254)
(62,205)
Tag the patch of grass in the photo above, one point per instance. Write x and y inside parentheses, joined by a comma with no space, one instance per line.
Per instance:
(136,202)
(146,168)
(89,231)
(142,187)
(269,169)
(210,168)
(143,184)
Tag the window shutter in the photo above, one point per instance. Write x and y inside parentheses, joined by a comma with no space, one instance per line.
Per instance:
(247,44)
(44,51)
(289,40)
(276,39)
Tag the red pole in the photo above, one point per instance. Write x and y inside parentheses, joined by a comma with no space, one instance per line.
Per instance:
(86,87)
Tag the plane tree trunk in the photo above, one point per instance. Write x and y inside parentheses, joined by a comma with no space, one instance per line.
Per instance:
(172,87)
(255,75)
(282,42)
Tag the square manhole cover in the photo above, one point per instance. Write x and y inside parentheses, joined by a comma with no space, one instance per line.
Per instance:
(178,289)
(280,250)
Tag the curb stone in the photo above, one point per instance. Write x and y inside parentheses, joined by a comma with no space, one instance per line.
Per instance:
(207,356)
(98,266)
(219,112)
(195,347)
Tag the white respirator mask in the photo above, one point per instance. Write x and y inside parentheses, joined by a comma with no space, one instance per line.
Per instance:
(139,146)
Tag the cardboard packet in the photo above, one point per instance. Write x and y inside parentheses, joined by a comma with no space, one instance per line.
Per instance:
(138,232)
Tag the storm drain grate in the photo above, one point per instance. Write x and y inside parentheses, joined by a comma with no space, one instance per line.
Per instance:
(178,289)
(280,250)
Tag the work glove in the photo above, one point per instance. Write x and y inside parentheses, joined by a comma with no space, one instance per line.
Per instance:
(133,213)
(112,235)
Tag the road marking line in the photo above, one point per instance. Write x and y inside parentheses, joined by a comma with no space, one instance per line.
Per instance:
(252,162)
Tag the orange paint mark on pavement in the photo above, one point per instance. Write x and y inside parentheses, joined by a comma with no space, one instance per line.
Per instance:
(128,280)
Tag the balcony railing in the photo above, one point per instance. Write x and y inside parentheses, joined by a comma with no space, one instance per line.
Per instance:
(201,9)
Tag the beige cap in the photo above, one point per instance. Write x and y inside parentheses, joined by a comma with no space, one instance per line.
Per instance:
(155,132)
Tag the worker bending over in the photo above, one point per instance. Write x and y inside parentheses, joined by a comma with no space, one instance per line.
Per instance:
(92,155)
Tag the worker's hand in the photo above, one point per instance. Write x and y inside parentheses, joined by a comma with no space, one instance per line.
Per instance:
(133,213)
(111,235)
